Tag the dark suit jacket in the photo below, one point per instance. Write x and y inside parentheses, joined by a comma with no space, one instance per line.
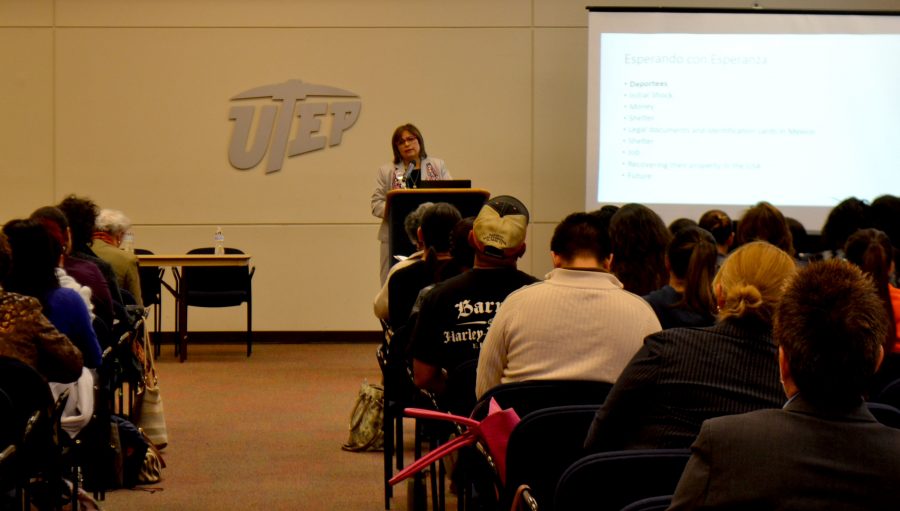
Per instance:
(683,376)
(797,458)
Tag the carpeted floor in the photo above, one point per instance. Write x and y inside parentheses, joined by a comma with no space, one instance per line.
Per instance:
(263,432)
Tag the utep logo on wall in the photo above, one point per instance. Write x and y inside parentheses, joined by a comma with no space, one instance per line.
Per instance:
(274,125)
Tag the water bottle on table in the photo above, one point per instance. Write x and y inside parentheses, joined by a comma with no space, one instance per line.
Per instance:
(219,240)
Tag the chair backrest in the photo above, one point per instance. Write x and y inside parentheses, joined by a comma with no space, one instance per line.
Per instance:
(459,397)
(216,286)
(609,481)
(527,396)
(151,277)
(31,398)
(885,414)
(889,395)
(660,503)
(543,445)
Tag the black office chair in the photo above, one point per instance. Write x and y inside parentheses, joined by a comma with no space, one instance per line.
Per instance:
(527,396)
(219,287)
(609,481)
(151,294)
(542,446)
(660,503)
(30,421)
(885,414)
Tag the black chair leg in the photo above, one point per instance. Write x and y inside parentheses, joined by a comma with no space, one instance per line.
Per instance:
(249,327)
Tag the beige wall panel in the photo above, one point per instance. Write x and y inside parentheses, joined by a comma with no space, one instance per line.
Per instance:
(26,13)
(287,13)
(307,277)
(561,13)
(560,97)
(26,120)
(143,116)
(541,233)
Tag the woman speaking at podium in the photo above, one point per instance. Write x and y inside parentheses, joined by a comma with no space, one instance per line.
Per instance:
(411,166)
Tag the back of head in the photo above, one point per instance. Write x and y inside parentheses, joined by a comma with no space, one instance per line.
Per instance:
(581,235)
(692,258)
(830,324)
(718,223)
(499,230)
(681,223)
(437,222)
(55,222)
(751,281)
(639,239)
(81,214)
(413,221)
(843,220)
(112,221)
(885,211)
(764,222)
(35,256)
(871,250)
(5,258)
(460,249)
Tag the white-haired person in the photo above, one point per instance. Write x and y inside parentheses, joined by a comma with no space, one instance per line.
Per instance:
(109,231)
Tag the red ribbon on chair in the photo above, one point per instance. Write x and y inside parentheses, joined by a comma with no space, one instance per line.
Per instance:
(493,432)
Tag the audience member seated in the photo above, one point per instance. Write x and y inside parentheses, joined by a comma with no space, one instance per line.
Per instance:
(26,335)
(82,215)
(456,314)
(35,256)
(683,376)
(718,223)
(681,223)
(886,217)
(688,299)
(764,222)
(411,225)
(577,324)
(824,449)
(110,228)
(639,239)
(847,217)
(436,264)
(803,250)
(871,250)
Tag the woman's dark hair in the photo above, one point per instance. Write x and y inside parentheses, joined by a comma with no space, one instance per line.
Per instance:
(397,138)
(639,239)
(692,258)
(871,250)
(35,256)
(847,217)
(764,222)
(460,250)
(5,257)
(718,223)
(81,214)
(681,223)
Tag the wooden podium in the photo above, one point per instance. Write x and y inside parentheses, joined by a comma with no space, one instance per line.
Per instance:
(402,202)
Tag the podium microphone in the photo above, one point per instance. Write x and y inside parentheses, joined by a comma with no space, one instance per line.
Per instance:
(409,171)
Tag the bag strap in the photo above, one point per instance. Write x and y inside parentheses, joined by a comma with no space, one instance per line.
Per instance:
(424,413)
(468,438)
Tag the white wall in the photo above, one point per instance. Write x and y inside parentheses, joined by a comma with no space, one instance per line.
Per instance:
(126,101)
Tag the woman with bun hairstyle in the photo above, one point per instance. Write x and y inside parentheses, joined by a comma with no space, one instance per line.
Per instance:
(688,299)
(683,376)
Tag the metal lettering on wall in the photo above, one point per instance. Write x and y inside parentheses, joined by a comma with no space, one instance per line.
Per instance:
(273,128)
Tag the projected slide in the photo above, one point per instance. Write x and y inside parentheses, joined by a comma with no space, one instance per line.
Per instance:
(794,119)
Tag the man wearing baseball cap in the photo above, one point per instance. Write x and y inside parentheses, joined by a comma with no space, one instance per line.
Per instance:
(455,316)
